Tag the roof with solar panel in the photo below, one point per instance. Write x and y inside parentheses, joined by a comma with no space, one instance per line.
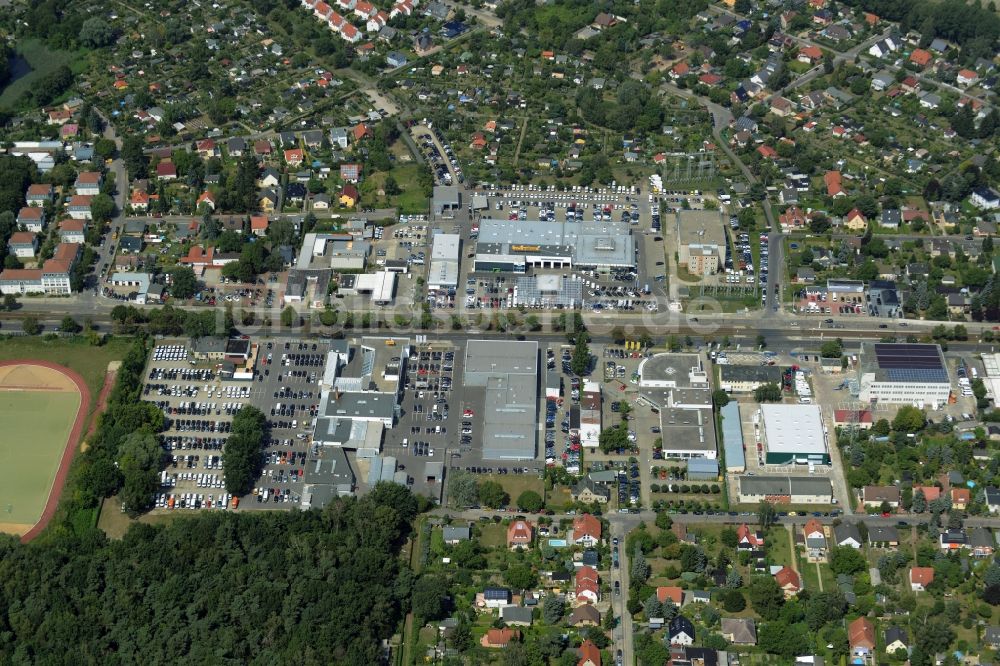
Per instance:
(908,363)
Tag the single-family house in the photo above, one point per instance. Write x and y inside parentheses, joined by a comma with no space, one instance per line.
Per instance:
(861,637)
(588,587)
(883,536)
(815,538)
(680,631)
(268,200)
(834,184)
(496,597)
(166,170)
(953,540)
(590,654)
(748,539)
(39,194)
(499,638)
(672,593)
(874,496)
(586,530)
(259,225)
(847,534)
(516,616)
(350,172)
(789,581)
(206,198)
(981,542)
(519,534)
(349,196)
(739,630)
(921,578)
(207,148)
(585,615)
(896,639)
(453,534)
(966,77)
(921,57)
(855,220)
(991,636)
(985,198)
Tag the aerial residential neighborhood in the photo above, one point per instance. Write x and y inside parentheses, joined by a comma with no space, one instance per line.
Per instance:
(401,332)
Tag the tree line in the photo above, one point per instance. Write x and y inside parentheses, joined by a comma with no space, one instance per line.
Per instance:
(314,587)
(243,455)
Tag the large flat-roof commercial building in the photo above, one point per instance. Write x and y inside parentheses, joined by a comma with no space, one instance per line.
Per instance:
(336,251)
(785,489)
(794,434)
(675,380)
(678,386)
(701,241)
(903,373)
(511,246)
(361,383)
(505,374)
(687,433)
(443,271)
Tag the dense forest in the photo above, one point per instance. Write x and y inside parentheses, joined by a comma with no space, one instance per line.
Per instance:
(318,587)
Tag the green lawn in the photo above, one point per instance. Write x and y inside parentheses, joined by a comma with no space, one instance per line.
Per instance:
(36,427)
(410,200)
(74,353)
(494,535)
(779,548)
(43,61)
(515,484)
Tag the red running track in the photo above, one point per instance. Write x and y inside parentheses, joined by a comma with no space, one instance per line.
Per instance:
(71,444)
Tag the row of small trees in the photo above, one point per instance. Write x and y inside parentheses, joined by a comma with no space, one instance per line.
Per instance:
(703,489)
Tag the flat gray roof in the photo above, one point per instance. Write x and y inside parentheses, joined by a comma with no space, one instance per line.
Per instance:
(691,430)
(785,485)
(701,227)
(509,418)
(505,372)
(732,436)
(485,358)
(751,373)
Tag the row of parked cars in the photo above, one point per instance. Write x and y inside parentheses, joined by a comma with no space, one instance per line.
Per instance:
(175,443)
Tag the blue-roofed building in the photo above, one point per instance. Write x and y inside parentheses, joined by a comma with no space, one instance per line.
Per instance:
(702,469)
(903,373)
(732,438)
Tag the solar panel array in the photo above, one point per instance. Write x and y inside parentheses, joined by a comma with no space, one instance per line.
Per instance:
(911,362)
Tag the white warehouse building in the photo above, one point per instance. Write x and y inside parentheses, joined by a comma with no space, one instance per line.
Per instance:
(903,373)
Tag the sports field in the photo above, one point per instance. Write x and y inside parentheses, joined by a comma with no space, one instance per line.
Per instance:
(40,412)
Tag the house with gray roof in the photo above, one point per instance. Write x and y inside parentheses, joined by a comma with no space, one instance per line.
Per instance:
(883,536)
(847,534)
(739,630)
(454,534)
(516,616)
